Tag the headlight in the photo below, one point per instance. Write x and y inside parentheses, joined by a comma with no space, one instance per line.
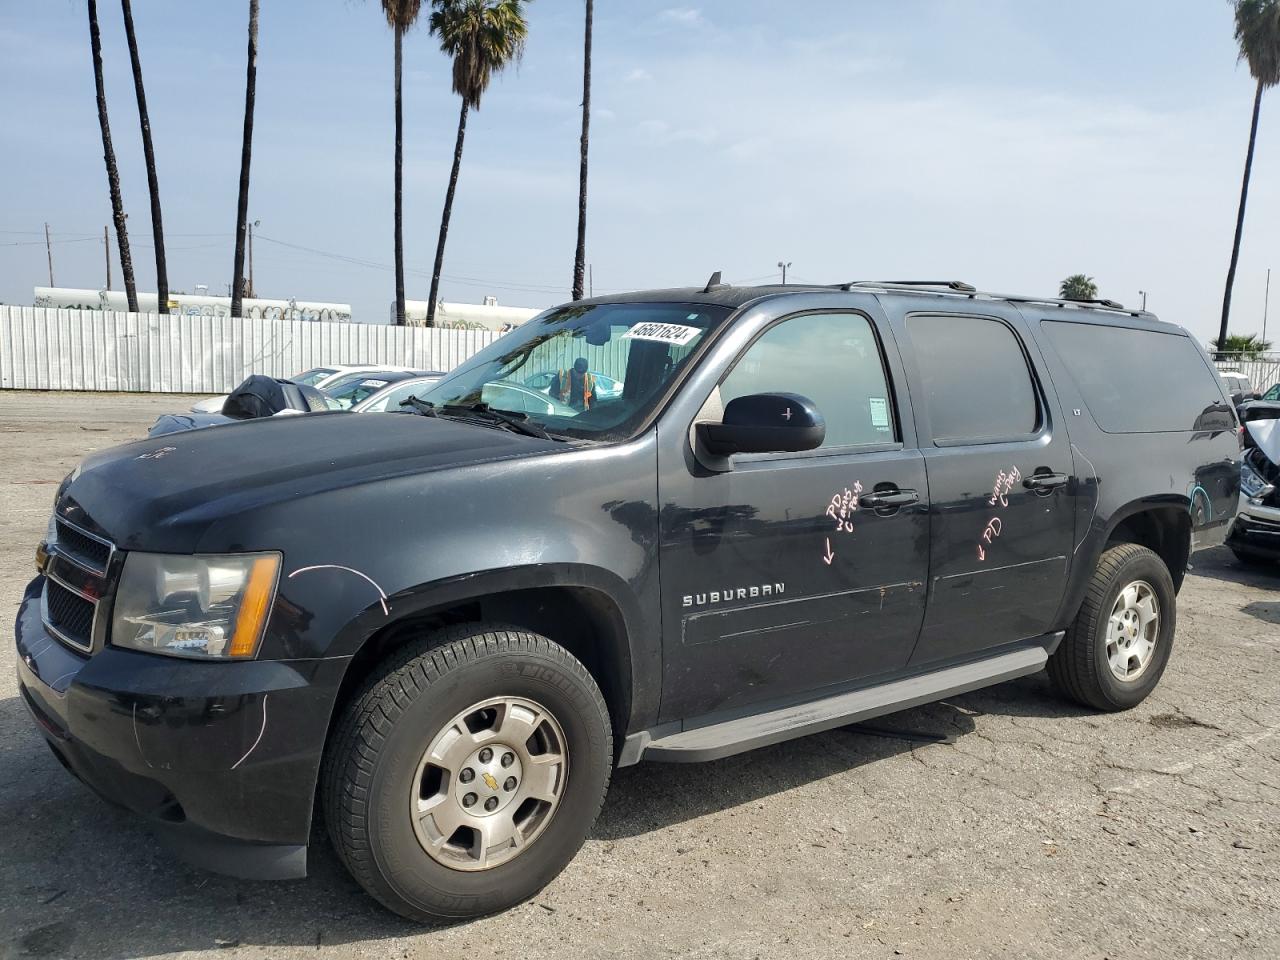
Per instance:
(1252,483)
(210,607)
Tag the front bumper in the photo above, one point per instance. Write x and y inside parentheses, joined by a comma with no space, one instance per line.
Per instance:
(221,757)
(1256,529)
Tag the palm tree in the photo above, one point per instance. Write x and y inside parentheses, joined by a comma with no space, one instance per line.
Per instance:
(246,153)
(1239,346)
(109,155)
(580,256)
(482,37)
(1258,34)
(149,154)
(401,15)
(1078,287)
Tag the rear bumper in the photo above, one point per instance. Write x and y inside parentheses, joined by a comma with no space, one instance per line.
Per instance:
(221,757)
(1256,529)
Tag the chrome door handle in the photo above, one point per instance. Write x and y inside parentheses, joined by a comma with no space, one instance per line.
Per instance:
(888,499)
(1045,481)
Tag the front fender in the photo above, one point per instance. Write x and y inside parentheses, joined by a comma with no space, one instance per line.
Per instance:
(363,557)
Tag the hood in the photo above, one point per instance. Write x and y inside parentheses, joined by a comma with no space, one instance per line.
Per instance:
(1266,435)
(161,494)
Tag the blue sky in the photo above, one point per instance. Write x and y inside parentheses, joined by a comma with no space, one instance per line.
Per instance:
(1004,142)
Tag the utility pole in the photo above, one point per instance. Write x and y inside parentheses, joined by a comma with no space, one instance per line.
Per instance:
(1266,302)
(106,246)
(48,249)
(783,267)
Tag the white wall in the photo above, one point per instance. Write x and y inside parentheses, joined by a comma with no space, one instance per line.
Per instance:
(44,349)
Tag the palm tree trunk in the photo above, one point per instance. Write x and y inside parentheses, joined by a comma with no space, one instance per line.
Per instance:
(1244,199)
(444,219)
(580,256)
(149,154)
(109,155)
(246,153)
(399,189)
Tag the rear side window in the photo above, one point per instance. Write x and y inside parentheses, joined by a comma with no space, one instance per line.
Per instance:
(1137,381)
(976,383)
(831,358)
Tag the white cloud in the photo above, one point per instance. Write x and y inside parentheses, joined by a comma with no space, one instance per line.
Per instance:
(683,16)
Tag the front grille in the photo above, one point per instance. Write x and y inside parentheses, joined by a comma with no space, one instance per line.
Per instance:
(69,614)
(86,550)
(1261,524)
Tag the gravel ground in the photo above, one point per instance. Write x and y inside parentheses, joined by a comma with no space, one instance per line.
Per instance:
(1036,830)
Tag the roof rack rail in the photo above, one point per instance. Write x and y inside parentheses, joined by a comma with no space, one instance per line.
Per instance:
(958,286)
(1062,302)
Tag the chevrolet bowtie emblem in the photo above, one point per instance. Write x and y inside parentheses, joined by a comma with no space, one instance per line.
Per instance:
(489,781)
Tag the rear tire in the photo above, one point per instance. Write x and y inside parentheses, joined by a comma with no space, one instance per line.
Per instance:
(467,772)
(1117,648)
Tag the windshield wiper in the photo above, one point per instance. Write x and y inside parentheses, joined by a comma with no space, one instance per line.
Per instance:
(483,413)
(421,407)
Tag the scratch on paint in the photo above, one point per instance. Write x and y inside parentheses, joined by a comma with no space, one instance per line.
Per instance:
(382,597)
(260,733)
(137,739)
(156,454)
(1096,483)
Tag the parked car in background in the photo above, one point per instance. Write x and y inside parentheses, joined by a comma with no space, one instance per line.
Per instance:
(606,386)
(1255,534)
(1237,386)
(319,377)
(518,398)
(352,389)
(257,397)
(389,398)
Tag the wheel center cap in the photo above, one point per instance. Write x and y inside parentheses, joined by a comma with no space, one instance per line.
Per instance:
(489,780)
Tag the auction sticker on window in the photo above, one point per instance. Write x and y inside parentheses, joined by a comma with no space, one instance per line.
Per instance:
(879,412)
(674,333)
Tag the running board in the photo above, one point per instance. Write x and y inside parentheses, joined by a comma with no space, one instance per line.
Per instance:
(716,740)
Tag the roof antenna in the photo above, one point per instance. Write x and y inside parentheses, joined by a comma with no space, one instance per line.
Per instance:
(714,283)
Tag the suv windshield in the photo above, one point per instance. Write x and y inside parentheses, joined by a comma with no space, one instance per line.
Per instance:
(594,371)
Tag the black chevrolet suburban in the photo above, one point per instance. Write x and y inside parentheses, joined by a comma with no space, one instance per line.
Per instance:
(798,507)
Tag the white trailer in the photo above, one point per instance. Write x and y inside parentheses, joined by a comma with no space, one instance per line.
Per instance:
(466,316)
(69,298)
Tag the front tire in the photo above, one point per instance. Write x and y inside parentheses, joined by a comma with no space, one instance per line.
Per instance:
(467,772)
(1117,648)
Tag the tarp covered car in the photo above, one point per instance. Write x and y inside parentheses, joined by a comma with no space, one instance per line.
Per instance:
(258,396)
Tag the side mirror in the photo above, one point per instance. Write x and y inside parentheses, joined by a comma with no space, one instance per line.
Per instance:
(765,423)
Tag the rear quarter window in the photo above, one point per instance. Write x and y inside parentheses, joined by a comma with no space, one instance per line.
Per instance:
(1137,381)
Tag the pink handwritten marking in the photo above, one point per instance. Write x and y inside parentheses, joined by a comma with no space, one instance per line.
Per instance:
(1000,490)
